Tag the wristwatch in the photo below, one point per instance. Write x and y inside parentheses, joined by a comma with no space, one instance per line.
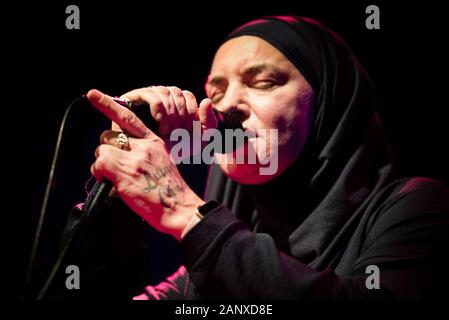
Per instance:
(203,210)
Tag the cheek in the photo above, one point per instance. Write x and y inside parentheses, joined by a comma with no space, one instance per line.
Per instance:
(292,115)
(267,112)
(279,108)
(298,124)
(281,115)
(287,112)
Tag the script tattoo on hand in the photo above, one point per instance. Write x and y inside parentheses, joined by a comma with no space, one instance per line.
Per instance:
(152,180)
(150,183)
(168,188)
(169,191)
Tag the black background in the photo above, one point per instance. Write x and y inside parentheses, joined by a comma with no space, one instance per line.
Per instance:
(125,45)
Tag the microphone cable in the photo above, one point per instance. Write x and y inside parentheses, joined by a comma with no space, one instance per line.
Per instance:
(43,211)
(101,189)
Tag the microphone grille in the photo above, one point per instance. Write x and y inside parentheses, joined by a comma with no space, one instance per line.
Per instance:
(231,120)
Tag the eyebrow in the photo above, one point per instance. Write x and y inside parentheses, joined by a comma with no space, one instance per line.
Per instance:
(250,71)
(259,68)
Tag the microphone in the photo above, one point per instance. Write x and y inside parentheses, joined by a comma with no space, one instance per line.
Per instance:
(101,190)
(226,120)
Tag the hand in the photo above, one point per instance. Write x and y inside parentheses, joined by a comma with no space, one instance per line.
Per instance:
(143,173)
(173,108)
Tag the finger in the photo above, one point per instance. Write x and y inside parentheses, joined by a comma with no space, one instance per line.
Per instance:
(135,96)
(192,109)
(107,150)
(178,99)
(120,162)
(104,168)
(206,114)
(124,117)
(180,104)
(107,167)
(167,123)
(148,96)
(111,137)
(115,127)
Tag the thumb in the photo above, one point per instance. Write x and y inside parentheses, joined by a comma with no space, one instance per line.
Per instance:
(206,115)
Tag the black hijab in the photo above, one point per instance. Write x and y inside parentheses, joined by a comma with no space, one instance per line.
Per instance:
(312,208)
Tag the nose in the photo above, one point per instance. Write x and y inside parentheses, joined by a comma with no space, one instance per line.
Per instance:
(235,101)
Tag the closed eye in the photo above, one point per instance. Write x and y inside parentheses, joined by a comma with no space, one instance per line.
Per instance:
(264,84)
(216,96)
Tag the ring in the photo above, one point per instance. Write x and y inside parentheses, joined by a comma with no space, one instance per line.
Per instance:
(128,103)
(122,141)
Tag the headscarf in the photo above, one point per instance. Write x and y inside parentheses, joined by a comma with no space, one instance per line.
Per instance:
(312,207)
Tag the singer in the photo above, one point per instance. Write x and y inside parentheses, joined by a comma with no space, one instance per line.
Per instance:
(333,221)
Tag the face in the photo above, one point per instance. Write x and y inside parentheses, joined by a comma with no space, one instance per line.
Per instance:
(250,76)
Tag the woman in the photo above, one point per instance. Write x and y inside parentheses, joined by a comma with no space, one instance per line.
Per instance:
(332,211)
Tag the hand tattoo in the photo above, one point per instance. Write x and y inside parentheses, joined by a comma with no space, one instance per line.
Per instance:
(150,183)
(167,191)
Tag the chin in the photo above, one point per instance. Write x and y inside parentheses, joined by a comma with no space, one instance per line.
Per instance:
(248,174)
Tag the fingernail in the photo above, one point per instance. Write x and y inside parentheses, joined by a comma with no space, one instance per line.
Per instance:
(158,116)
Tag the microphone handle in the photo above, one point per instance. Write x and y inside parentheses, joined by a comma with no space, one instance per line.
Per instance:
(96,199)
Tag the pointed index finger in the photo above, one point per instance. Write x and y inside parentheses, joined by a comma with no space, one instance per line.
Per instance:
(123,117)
